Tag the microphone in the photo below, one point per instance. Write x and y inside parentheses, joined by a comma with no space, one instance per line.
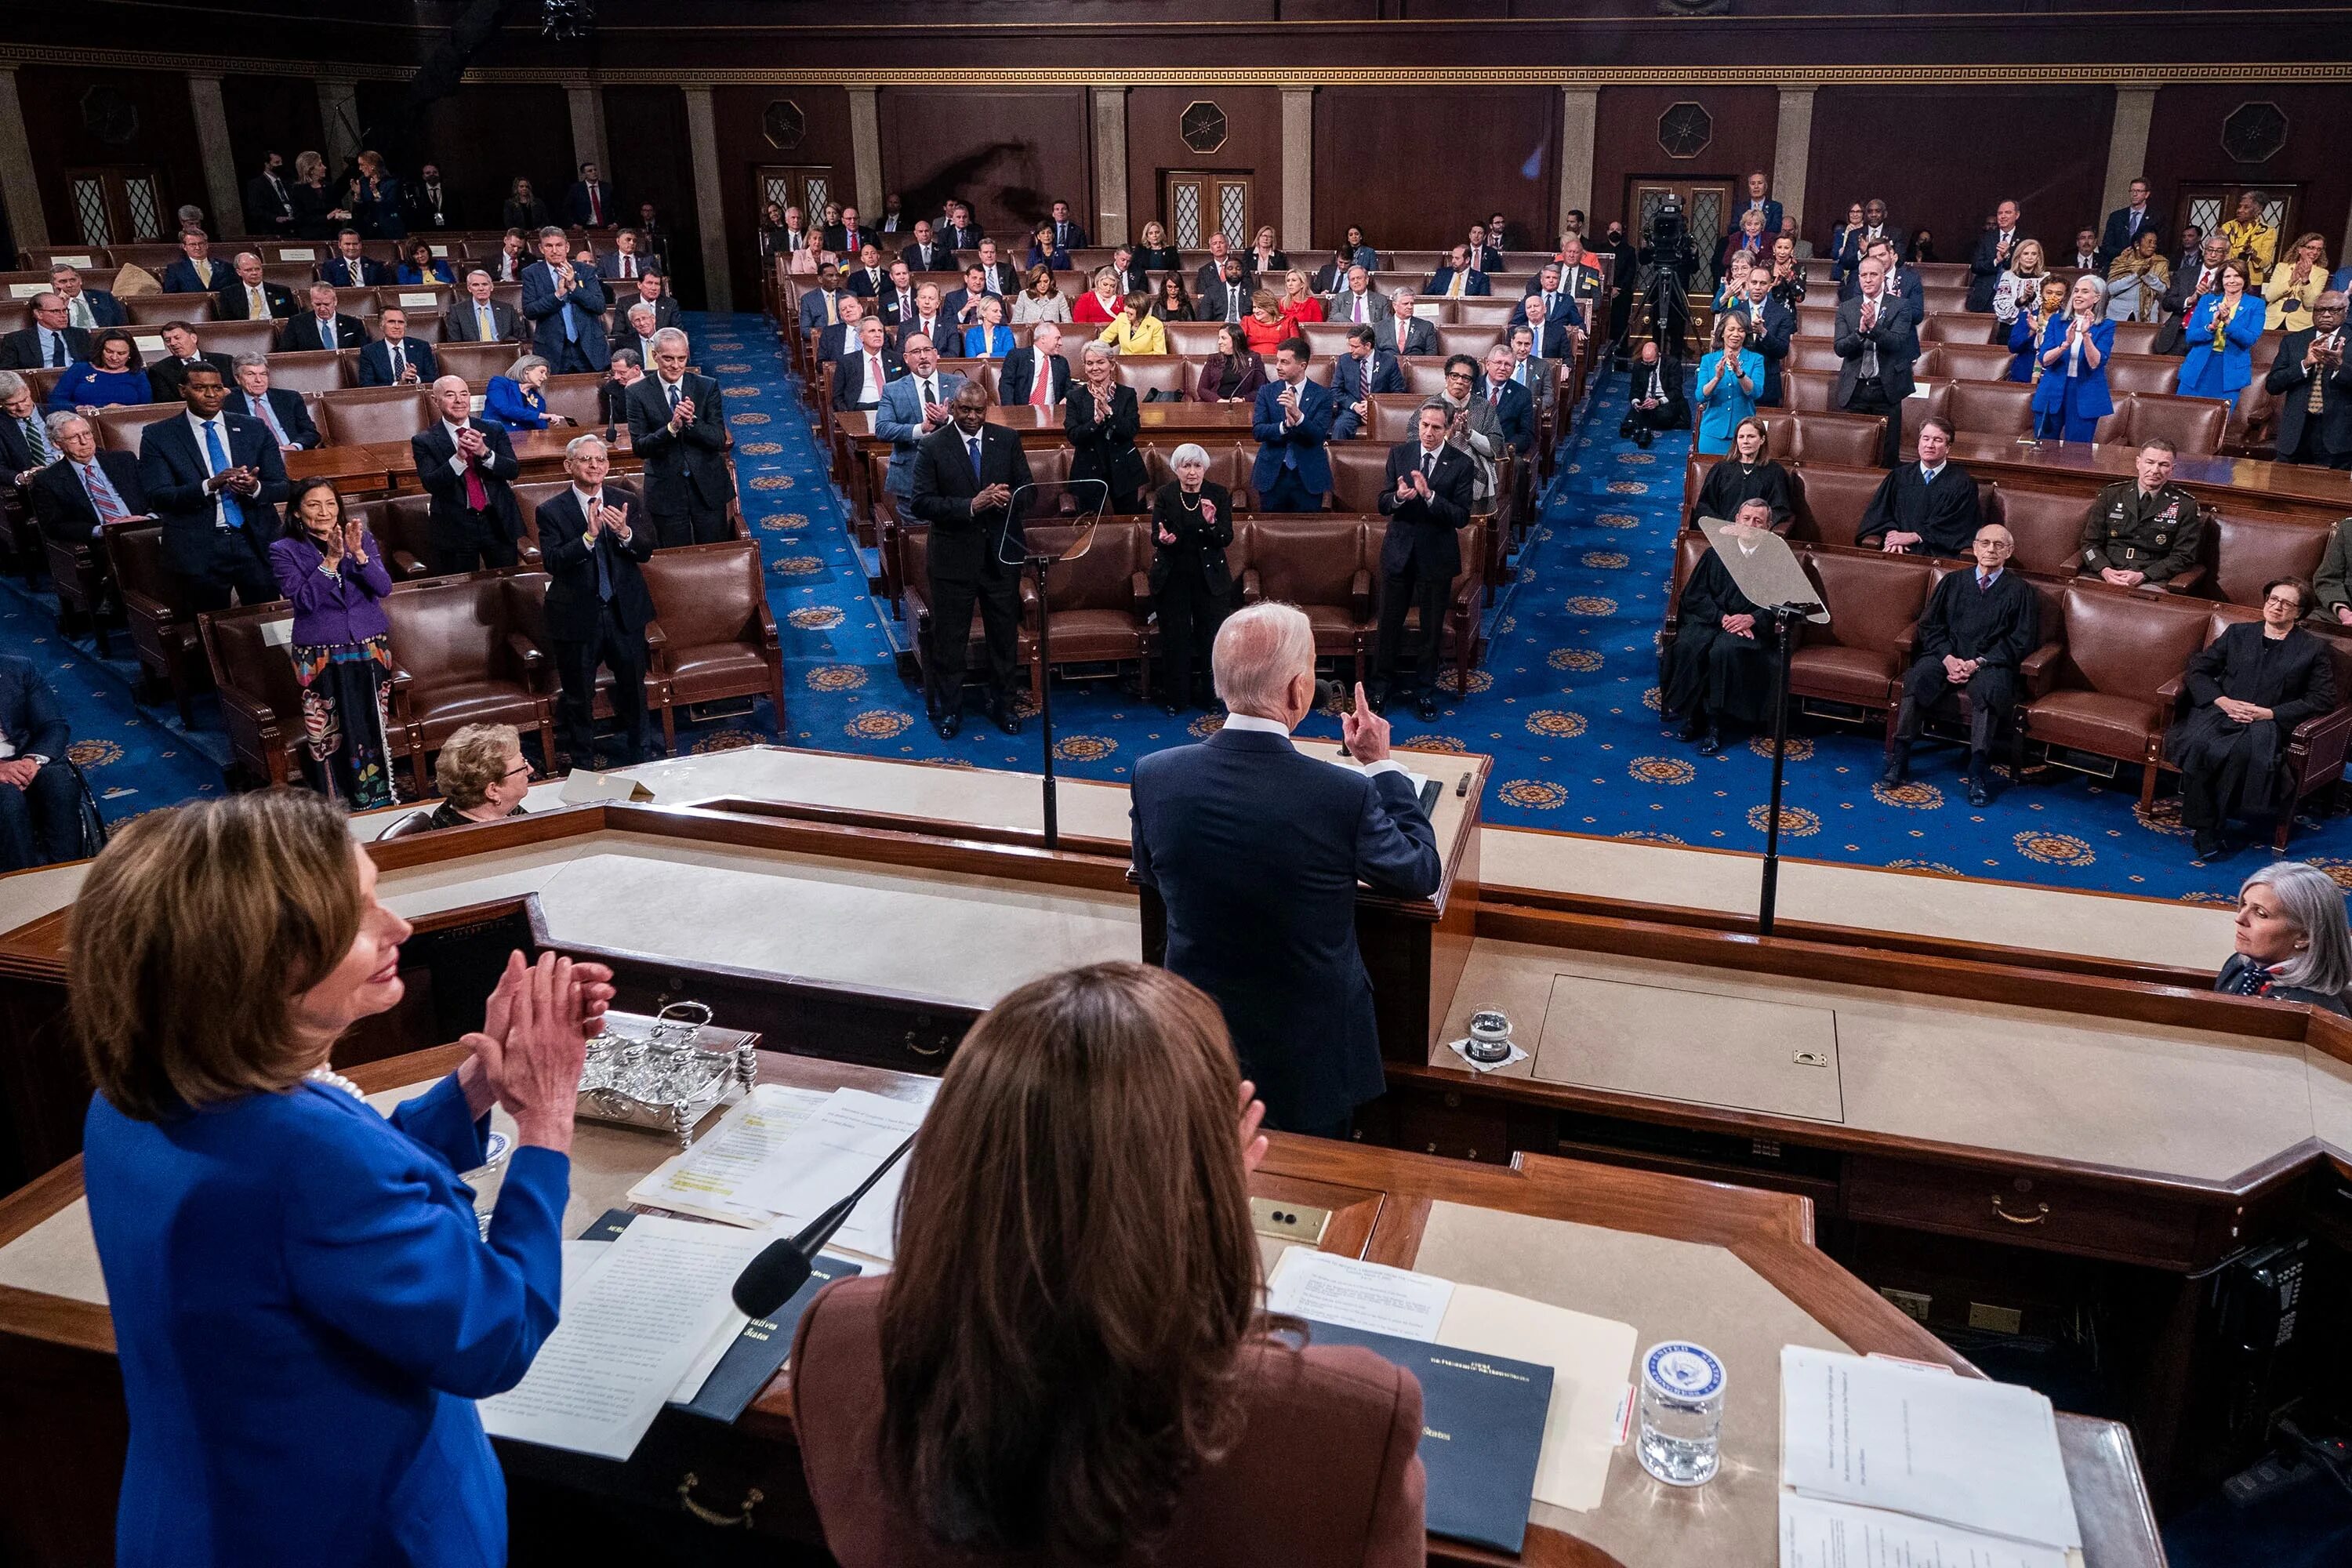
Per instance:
(769,1280)
(605,393)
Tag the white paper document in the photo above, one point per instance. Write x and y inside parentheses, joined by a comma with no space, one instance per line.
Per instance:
(1816,1534)
(825,1159)
(711,1178)
(1963,1452)
(1420,782)
(635,1322)
(1358,1295)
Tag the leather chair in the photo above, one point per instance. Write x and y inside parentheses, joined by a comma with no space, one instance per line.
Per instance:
(1425,374)
(1320,564)
(1359,475)
(528,598)
(2110,689)
(718,635)
(1690,545)
(2047,527)
(1100,602)
(1943,298)
(1158,373)
(915,609)
(360,415)
(2249,552)
(1229,464)
(2315,752)
(476,361)
(2193,425)
(2136,337)
(155,309)
(2002,409)
(1460,641)
(1394,415)
(459,657)
(363,303)
(162,623)
(1849,440)
(1194,340)
(1494,312)
(1474,341)
(1859,657)
(118,428)
(1829,500)
(1326,338)
(1817,321)
(314,370)
(79,576)
(575,397)
(2159,374)
(1963,361)
(527,500)
(261,702)
(1805,390)
(1954,326)
(1816,355)
(233,338)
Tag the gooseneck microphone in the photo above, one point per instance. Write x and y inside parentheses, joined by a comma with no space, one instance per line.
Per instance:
(782,1267)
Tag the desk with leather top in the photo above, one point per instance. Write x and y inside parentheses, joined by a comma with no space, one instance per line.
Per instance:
(389,467)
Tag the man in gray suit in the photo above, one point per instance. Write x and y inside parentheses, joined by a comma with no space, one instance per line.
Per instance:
(1877,345)
(1418,336)
(1359,301)
(479,319)
(912,406)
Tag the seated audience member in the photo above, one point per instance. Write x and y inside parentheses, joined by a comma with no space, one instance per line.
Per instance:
(1721,665)
(1359,374)
(1923,245)
(25,446)
(482,775)
(2136,280)
(1514,408)
(1426,500)
(1359,251)
(1266,326)
(1978,630)
(2296,285)
(1877,343)
(253,298)
(640,322)
(627,369)
(1555,340)
(74,498)
(1040,299)
(1458,279)
(2247,690)
(1067,234)
(351,266)
(988,337)
(1101,418)
(1214,269)
(649,289)
(1234,373)
(1927,508)
(1044,251)
(913,405)
(1170,302)
(1298,299)
(845,334)
(1747,474)
(1531,370)
(959,231)
(1332,276)
(1154,254)
(466,464)
(478,318)
(1654,398)
(422,266)
(108,383)
(90,309)
(197,271)
(334,574)
(183,351)
(2291,941)
(821,307)
(1018,379)
(1402,330)
(896,302)
(1264,258)
(963,304)
(2312,422)
(926,254)
(810,257)
(1192,585)
(215,481)
(1123,1419)
(1291,419)
(1135,329)
(40,802)
(322,326)
(395,359)
(2070,394)
(283,412)
(1225,296)
(517,400)
(1729,376)
(2024,335)
(1132,279)
(2144,530)
(2220,334)
(1359,301)
(859,376)
(1101,304)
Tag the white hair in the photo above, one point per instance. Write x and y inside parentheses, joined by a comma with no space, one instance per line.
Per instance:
(1190,452)
(669,334)
(579,443)
(2313,901)
(58,418)
(1259,651)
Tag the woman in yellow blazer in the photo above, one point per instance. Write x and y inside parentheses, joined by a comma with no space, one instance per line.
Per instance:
(2296,285)
(1135,329)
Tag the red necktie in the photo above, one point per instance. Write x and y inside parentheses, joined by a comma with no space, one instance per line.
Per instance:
(477,498)
(1042,394)
(595,209)
(874,373)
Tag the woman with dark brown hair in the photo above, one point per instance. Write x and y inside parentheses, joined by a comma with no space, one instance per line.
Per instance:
(1067,1362)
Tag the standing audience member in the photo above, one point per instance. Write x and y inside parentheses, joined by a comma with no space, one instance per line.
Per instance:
(969,480)
(1191,586)
(677,423)
(215,481)
(2070,396)
(1363,372)
(333,575)
(2313,390)
(1976,631)
(2220,334)
(467,466)
(2137,282)
(565,302)
(1101,418)
(1729,380)
(1877,343)
(2248,689)
(1292,420)
(912,406)
(40,801)
(2296,285)
(1426,500)
(592,537)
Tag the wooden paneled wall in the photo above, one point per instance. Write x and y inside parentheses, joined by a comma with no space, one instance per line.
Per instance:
(1012,153)
(2184,140)
(1155,144)
(1745,121)
(77,118)
(739,114)
(1416,166)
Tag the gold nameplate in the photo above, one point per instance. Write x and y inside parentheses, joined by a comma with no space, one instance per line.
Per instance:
(1301,1223)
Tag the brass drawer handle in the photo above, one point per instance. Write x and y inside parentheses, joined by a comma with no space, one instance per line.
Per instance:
(751,1500)
(924,1051)
(2042,1212)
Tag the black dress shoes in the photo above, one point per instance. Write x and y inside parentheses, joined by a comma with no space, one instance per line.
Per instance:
(1425,705)
(2211,845)
(1693,728)
(948,724)
(1710,742)
(1000,714)
(1978,793)
(1897,774)
(1171,706)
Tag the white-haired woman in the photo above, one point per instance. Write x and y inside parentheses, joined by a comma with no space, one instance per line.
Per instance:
(1192,587)
(517,400)
(2292,945)
(2069,396)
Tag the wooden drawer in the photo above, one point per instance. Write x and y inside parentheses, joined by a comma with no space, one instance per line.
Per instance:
(2024,1209)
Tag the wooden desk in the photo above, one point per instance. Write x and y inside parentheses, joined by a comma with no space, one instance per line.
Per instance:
(1732,1267)
(2236,485)
(389,467)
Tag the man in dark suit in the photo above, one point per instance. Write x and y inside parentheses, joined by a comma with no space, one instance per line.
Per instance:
(1515,410)
(253,298)
(896,302)
(1365,369)
(1227,296)
(395,359)
(2313,389)
(1565,300)
(88,308)
(283,412)
(1213,272)
(1016,377)
(182,353)
(1759,199)
(216,481)
(821,306)
(1067,234)
(963,305)
(197,272)
(2123,225)
(1927,508)
(929,319)
(1483,251)
(40,804)
(1978,630)
(1401,331)
(845,334)
(1903,282)
(269,200)
(565,305)
(2189,282)
(677,423)
(1877,343)
(25,444)
(1292,420)
(75,498)
(967,474)
(1874,226)
(428,200)
(1994,248)
(998,275)
(49,341)
(866,279)
(322,326)
(927,254)
(859,377)
(1459,263)
(1427,503)
(468,467)
(1654,397)
(646,289)
(635,331)
(959,232)
(351,266)
(1553,339)
(1256,851)
(589,202)
(479,318)
(592,537)
(848,238)
(625,263)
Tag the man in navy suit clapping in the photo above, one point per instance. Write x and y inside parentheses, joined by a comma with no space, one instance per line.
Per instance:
(1292,420)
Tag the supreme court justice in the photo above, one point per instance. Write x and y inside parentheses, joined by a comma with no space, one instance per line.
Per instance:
(1427,502)
(1720,664)
(1746,474)
(2248,689)
(304,1304)
(1041,1381)
(2292,944)
(1978,628)
(1256,849)
(592,537)
(2145,529)
(1927,508)
(967,474)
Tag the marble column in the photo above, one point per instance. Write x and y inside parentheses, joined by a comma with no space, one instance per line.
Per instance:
(709,209)
(587,104)
(2127,149)
(339,111)
(865,153)
(1793,148)
(1111,165)
(1297,171)
(220,158)
(1580,116)
(19,188)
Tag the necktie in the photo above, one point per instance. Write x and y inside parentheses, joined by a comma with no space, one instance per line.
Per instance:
(603,565)
(832,315)
(571,322)
(595,209)
(399,362)
(1453,290)
(232,508)
(57,349)
(1360,307)
(1983,582)
(269,418)
(256,304)
(37,441)
(328,339)
(1233,303)
(102,494)
(484,332)
(672,388)
(1041,389)
(974,444)
(80,315)
(1494,393)
(2319,382)
(478,498)
(1429,465)
(930,392)
(874,375)
(1519,372)
(628,265)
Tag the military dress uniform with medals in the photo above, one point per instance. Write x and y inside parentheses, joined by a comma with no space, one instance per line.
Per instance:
(2156,534)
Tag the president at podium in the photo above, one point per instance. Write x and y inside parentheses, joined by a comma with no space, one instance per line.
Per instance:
(1256,851)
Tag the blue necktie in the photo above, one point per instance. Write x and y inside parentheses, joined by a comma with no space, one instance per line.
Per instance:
(975,460)
(603,571)
(570,322)
(231,507)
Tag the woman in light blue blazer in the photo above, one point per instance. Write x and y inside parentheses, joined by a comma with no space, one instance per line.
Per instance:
(1727,379)
(305,1307)
(2220,335)
(2069,394)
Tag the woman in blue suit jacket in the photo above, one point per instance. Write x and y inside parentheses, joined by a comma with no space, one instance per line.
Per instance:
(517,400)
(2070,398)
(305,1307)
(1727,379)
(1045,252)
(423,267)
(2222,332)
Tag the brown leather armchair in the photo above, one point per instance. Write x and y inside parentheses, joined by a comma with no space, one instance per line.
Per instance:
(314,370)
(2047,527)
(2111,687)
(2193,425)
(2003,409)
(118,428)
(361,414)
(718,635)
(460,656)
(1101,600)
(2156,374)
(261,702)
(528,598)
(1359,475)
(1319,564)
(2249,552)
(400,525)
(162,623)
(1874,602)
(1963,361)
(1164,373)
(81,577)
(1829,500)
(1849,438)
(476,361)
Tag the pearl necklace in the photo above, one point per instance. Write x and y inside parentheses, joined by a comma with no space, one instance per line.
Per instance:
(331,1079)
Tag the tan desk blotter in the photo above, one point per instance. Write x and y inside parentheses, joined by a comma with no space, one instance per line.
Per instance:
(1666,1289)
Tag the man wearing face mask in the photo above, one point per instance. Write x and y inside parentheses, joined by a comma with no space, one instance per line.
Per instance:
(968,476)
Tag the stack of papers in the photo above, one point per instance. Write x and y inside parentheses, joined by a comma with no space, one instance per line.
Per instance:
(1884,1463)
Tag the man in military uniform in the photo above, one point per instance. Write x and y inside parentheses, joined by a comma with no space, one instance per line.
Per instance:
(2145,531)
(2250,240)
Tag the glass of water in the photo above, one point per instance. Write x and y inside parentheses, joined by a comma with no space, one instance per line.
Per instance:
(1681,1413)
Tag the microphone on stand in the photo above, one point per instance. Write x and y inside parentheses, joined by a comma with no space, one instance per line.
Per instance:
(605,392)
(769,1280)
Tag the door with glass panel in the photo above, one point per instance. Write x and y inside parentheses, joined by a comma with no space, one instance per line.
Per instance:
(1199,203)
(117,204)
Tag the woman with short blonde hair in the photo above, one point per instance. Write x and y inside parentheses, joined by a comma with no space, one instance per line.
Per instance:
(482,775)
(2296,285)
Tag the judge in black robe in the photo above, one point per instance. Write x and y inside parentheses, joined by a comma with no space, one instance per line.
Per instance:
(1720,665)
(1732,481)
(1938,504)
(1979,627)
(2273,676)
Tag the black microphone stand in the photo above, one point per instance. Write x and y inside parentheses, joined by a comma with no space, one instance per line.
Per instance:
(1784,620)
(1038,562)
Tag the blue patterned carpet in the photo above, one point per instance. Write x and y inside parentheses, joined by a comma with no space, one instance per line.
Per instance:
(1566,701)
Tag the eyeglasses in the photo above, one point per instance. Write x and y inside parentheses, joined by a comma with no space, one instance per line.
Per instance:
(2292,601)
(520,770)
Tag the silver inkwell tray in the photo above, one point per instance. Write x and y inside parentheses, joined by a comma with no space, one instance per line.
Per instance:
(663,1074)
